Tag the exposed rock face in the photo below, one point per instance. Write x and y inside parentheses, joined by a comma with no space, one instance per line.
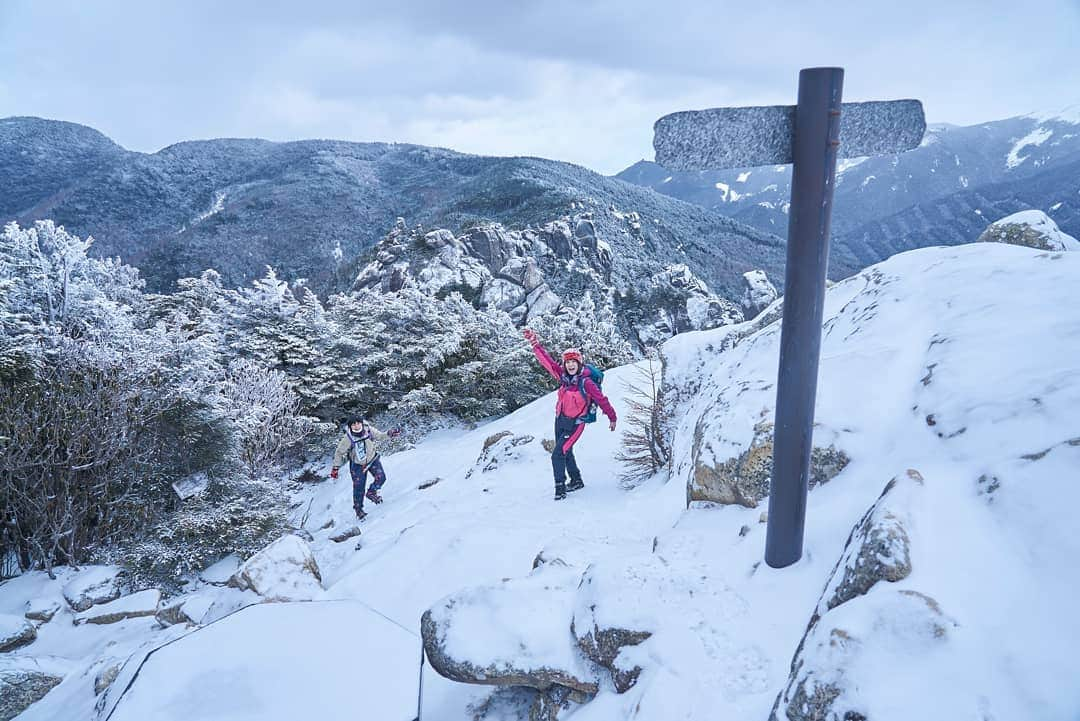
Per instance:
(678,301)
(1031,229)
(758,294)
(285,570)
(137,605)
(15,631)
(94,585)
(491,266)
(23,681)
(744,479)
(498,450)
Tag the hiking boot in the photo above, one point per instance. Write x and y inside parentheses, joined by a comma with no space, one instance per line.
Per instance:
(360,514)
(373,496)
(575,486)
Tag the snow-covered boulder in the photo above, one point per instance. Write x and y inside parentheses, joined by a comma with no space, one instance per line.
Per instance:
(499,449)
(1029,228)
(42,608)
(609,615)
(512,634)
(25,681)
(848,666)
(15,631)
(744,478)
(879,547)
(219,572)
(186,609)
(758,293)
(285,570)
(99,584)
(137,605)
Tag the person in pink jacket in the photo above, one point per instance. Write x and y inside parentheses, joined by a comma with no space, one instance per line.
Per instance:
(576,391)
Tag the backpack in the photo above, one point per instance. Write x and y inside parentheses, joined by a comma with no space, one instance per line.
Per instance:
(597,377)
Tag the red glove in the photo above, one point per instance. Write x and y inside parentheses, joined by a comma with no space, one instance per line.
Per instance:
(530,335)
(333,473)
(394,432)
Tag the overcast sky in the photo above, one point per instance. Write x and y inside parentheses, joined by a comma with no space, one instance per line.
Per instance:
(572,80)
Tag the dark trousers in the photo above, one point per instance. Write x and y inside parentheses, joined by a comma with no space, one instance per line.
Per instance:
(567,431)
(359,479)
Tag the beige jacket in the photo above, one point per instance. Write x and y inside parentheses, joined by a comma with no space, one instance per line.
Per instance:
(346,449)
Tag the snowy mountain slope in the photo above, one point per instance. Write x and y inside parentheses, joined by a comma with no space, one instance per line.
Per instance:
(310,208)
(954,362)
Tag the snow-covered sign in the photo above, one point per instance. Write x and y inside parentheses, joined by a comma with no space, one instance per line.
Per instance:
(191,486)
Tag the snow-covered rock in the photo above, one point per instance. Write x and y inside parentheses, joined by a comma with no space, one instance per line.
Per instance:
(758,294)
(744,479)
(879,548)
(850,664)
(221,571)
(346,533)
(42,608)
(607,619)
(24,681)
(98,584)
(1032,229)
(15,631)
(500,449)
(285,570)
(106,676)
(137,605)
(511,634)
(191,609)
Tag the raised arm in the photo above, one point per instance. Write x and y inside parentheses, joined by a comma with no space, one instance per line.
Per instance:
(549,363)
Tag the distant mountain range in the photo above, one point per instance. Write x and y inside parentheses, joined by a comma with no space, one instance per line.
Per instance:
(313,208)
(942,193)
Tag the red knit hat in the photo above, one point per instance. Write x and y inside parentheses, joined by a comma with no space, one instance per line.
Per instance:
(572,354)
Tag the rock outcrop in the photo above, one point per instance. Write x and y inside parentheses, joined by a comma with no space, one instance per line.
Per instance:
(744,479)
(758,294)
(1031,229)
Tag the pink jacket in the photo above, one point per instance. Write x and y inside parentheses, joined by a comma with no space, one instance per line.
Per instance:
(570,402)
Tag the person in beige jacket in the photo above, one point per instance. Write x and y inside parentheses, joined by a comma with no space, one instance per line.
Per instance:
(358,446)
